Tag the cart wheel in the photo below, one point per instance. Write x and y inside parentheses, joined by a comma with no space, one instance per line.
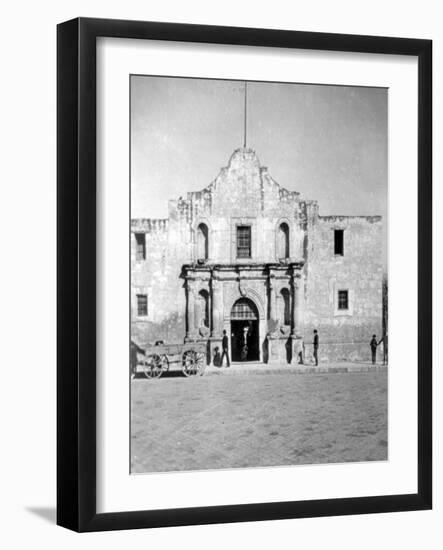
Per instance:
(193,363)
(154,366)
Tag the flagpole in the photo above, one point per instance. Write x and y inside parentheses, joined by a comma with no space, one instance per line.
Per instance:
(246,94)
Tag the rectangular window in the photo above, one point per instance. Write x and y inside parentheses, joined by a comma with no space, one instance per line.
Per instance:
(140,239)
(142,305)
(244,241)
(338,242)
(343,299)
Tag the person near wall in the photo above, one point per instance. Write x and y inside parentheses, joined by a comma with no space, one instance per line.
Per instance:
(225,349)
(373,344)
(316,345)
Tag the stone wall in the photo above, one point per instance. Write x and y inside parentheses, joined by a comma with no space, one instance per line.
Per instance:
(158,276)
(245,193)
(344,335)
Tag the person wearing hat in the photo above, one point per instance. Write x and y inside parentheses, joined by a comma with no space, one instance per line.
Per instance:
(316,344)
(373,343)
(225,349)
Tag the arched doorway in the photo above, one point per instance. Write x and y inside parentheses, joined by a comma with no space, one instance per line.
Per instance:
(244,331)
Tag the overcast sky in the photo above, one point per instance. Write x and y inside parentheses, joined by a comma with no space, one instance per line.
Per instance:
(327,142)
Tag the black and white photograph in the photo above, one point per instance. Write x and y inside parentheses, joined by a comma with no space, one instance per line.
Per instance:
(221,267)
(259,274)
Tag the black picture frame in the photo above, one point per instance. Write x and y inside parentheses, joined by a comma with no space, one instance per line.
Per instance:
(76,279)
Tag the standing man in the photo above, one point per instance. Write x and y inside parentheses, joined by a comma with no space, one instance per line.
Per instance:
(225,348)
(373,344)
(316,347)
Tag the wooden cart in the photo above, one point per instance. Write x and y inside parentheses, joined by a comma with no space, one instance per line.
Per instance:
(190,357)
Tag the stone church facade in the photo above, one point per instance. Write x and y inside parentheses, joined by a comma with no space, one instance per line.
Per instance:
(245,253)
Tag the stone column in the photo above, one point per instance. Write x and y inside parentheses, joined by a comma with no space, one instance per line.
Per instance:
(197,308)
(190,309)
(298,306)
(272,338)
(272,311)
(210,320)
(216,303)
(297,297)
(293,305)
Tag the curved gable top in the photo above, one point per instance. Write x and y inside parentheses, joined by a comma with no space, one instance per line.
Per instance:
(243,185)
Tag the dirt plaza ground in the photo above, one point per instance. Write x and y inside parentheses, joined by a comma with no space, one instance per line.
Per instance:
(240,421)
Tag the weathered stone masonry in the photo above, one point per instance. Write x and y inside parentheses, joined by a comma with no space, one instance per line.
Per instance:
(245,252)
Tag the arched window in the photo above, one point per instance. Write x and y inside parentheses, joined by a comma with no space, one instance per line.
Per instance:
(283,241)
(285,314)
(203,298)
(202,242)
(244,309)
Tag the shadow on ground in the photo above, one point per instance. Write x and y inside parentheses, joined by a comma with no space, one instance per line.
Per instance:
(46,513)
(167,374)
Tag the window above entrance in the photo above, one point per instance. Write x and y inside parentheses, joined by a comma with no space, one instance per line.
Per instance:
(244,309)
(243,241)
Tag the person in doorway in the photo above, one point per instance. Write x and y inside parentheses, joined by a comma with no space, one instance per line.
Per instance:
(373,344)
(244,349)
(316,344)
(225,349)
